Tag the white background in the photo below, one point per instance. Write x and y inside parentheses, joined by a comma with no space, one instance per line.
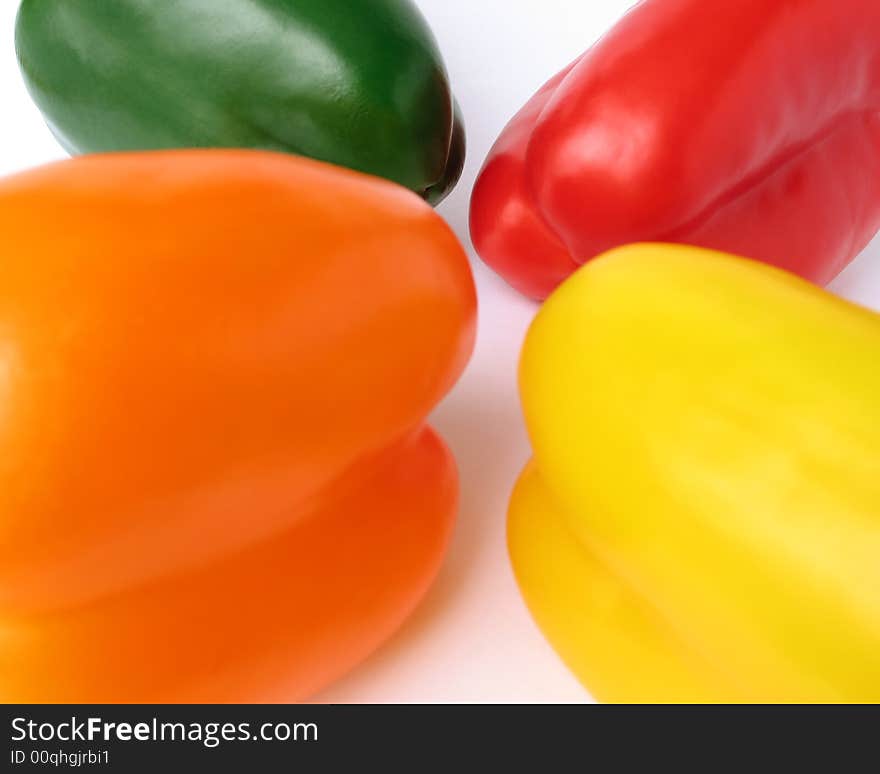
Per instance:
(472,639)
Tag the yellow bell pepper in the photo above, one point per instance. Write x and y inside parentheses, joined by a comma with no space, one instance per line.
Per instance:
(701,519)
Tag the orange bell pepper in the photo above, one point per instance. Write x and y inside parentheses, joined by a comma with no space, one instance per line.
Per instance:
(216,481)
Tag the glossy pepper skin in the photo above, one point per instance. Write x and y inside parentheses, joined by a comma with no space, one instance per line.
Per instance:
(750,126)
(216,481)
(701,519)
(359,83)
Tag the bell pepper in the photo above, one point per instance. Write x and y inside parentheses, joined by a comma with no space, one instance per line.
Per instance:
(359,83)
(749,126)
(701,519)
(216,480)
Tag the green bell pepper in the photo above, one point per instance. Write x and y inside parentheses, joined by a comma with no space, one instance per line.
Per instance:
(358,83)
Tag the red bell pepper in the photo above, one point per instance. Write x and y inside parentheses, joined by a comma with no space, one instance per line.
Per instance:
(751,126)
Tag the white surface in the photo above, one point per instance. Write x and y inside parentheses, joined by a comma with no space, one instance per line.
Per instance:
(472,640)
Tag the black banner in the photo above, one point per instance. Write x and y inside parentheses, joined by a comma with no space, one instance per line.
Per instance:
(412,738)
